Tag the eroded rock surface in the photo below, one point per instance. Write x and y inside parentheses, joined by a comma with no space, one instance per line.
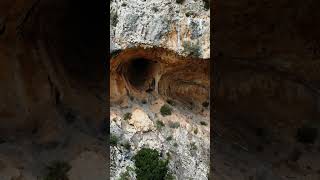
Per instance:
(181,27)
(160,57)
(181,136)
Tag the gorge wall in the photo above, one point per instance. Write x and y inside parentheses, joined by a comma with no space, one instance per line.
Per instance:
(160,84)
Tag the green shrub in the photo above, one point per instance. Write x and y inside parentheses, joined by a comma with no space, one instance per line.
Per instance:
(174,124)
(114,18)
(190,13)
(206,4)
(203,123)
(165,110)
(127,145)
(169,176)
(159,124)
(155,9)
(169,138)
(149,165)
(171,102)
(124,176)
(180,1)
(127,116)
(193,50)
(168,155)
(175,144)
(115,53)
(113,140)
(205,104)
(193,146)
(195,131)
(57,170)
(144,101)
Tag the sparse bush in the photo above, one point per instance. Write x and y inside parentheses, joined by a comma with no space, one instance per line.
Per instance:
(144,101)
(180,1)
(165,110)
(114,18)
(155,9)
(193,50)
(190,13)
(127,145)
(206,4)
(159,124)
(169,176)
(149,165)
(195,131)
(115,53)
(203,123)
(174,125)
(113,140)
(193,146)
(57,170)
(127,116)
(205,104)
(169,138)
(175,144)
(124,176)
(171,102)
(168,155)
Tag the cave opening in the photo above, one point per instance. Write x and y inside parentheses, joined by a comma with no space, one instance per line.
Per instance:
(140,74)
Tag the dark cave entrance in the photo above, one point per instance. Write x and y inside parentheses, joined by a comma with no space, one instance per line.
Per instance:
(140,74)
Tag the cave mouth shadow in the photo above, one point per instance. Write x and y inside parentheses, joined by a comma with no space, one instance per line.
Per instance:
(140,73)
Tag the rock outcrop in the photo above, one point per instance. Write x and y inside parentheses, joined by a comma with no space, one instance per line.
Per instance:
(181,26)
(160,58)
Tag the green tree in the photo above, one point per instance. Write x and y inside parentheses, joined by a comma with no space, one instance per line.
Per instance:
(149,165)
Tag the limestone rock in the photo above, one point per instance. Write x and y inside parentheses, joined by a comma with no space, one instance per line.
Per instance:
(183,27)
(141,121)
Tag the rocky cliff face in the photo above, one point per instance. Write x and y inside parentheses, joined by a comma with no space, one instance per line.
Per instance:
(181,26)
(160,59)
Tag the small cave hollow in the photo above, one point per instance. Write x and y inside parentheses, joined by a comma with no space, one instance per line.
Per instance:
(140,74)
(137,73)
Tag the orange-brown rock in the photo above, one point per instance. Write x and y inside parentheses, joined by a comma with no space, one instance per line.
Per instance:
(139,71)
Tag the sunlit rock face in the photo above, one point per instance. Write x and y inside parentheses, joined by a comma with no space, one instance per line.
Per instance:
(142,81)
(160,57)
(139,72)
(166,23)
